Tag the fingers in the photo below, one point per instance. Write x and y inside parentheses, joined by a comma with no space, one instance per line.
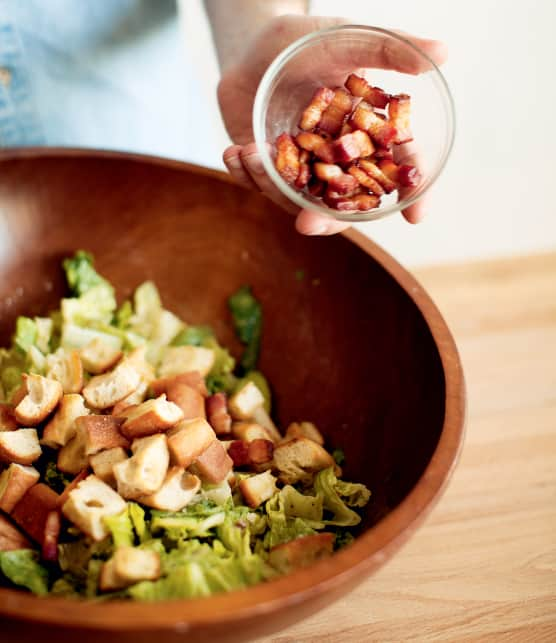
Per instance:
(312,223)
(409,154)
(232,161)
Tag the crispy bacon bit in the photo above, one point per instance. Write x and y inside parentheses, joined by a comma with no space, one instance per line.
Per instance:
(378,175)
(287,158)
(217,414)
(304,170)
(346,129)
(382,153)
(314,111)
(350,147)
(335,114)
(239,452)
(381,131)
(359,202)
(404,175)
(336,178)
(52,528)
(261,451)
(320,147)
(365,180)
(316,187)
(332,198)
(399,111)
(358,86)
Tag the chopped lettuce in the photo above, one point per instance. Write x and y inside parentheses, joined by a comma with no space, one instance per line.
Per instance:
(25,334)
(22,568)
(54,478)
(81,274)
(44,333)
(137,517)
(120,528)
(283,528)
(97,305)
(123,315)
(247,317)
(326,486)
(354,494)
(339,456)
(12,366)
(299,505)
(74,556)
(75,336)
(193,336)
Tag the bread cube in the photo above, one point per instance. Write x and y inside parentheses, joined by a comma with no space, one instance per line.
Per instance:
(21,446)
(101,432)
(213,465)
(144,472)
(102,464)
(15,481)
(128,566)
(194,379)
(61,428)
(32,511)
(151,417)
(304,430)
(258,488)
(298,459)
(177,491)
(103,391)
(188,440)
(249,431)
(65,367)
(41,398)
(98,356)
(90,502)
(248,404)
(183,359)
(7,418)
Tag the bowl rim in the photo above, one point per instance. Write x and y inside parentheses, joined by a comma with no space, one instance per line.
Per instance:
(259,125)
(350,565)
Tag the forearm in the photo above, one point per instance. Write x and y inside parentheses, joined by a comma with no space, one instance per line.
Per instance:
(233,23)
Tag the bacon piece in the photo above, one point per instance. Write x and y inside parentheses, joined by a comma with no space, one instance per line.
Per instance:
(217,414)
(399,111)
(239,452)
(358,86)
(336,178)
(314,110)
(381,153)
(287,158)
(360,202)
(316,187)
(350,147)
(304,170)
(346,129)
(335,114)
(365,180)
(52,528)
(381,131)
(260,451)
(404,175)
(32,511)
(331,197)
(320,147)
(378,175)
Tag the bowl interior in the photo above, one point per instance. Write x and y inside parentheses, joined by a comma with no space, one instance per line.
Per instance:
(326,59)
(344,344)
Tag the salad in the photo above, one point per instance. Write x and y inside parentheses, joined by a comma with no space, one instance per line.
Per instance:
(140,461)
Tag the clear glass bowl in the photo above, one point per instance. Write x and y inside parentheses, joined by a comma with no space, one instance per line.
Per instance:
(326,58)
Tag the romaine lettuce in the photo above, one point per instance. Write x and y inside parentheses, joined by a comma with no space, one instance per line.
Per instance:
(326,486)
(22,568)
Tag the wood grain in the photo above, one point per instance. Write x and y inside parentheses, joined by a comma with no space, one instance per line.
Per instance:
(483,568)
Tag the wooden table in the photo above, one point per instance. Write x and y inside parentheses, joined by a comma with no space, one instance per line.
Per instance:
(483,567)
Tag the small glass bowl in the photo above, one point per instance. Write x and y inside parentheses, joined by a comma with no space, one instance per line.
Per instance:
(326,58)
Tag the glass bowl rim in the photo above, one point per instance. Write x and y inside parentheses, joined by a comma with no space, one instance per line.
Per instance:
(259,126)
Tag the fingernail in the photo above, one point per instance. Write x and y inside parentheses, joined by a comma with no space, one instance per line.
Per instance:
(254,163)
(319,229)
(233,162)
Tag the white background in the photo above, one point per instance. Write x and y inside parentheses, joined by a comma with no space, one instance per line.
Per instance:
(496,196)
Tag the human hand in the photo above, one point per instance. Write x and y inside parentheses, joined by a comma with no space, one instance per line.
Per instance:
(236,94)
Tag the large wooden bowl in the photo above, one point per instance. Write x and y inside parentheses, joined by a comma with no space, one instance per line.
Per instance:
(352,342)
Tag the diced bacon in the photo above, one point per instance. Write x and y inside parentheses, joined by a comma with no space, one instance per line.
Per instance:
(304,170)
(350,147)
(52,528)
(358,86)
(287,158)
(336,178)
(217,414)
(239,452)
(381,153)
(399,111)
(313,112)
(378,175)
(359,202)
(335,114)
(316,187)
(331,197)
(260,451)
(404,175)
(382,132)
(365,180)
(346,129)
(320,147)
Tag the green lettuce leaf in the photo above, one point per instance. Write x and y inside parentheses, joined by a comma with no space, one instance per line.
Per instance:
(193,336)
(137,516)
(353,494)
(96,305)
(326,486)
(299,505)
(247,317)
(22,568)
(25,334)
(74,556)
(81,274)
(54,478)
(120,528)
(283,528)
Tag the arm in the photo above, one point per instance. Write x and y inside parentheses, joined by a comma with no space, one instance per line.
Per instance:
(235,22)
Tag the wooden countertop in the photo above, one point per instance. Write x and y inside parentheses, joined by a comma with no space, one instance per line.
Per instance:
(483,567)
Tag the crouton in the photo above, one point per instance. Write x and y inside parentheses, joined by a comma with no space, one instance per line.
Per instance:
(65,367)
(89,503)
(101,432)
(21,446)
(248,404)
(152,416)
(11,538)
(177,491)
(217,413)
(98,356)
(298,459)
(128,566)
(183,359)
(61,428)
(213,465)
(190,401)
(137,359)
(194,379)
(15,481)
(257,489)
(42,396)
(301,552)
(304,430)
(133,399)
(32,511)
(144,472)
(72,457)
(188,439)
(250,431)
(7,418)
(104,391)
(102,464)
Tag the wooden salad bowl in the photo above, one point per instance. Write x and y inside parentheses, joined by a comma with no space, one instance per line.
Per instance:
(351,341)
